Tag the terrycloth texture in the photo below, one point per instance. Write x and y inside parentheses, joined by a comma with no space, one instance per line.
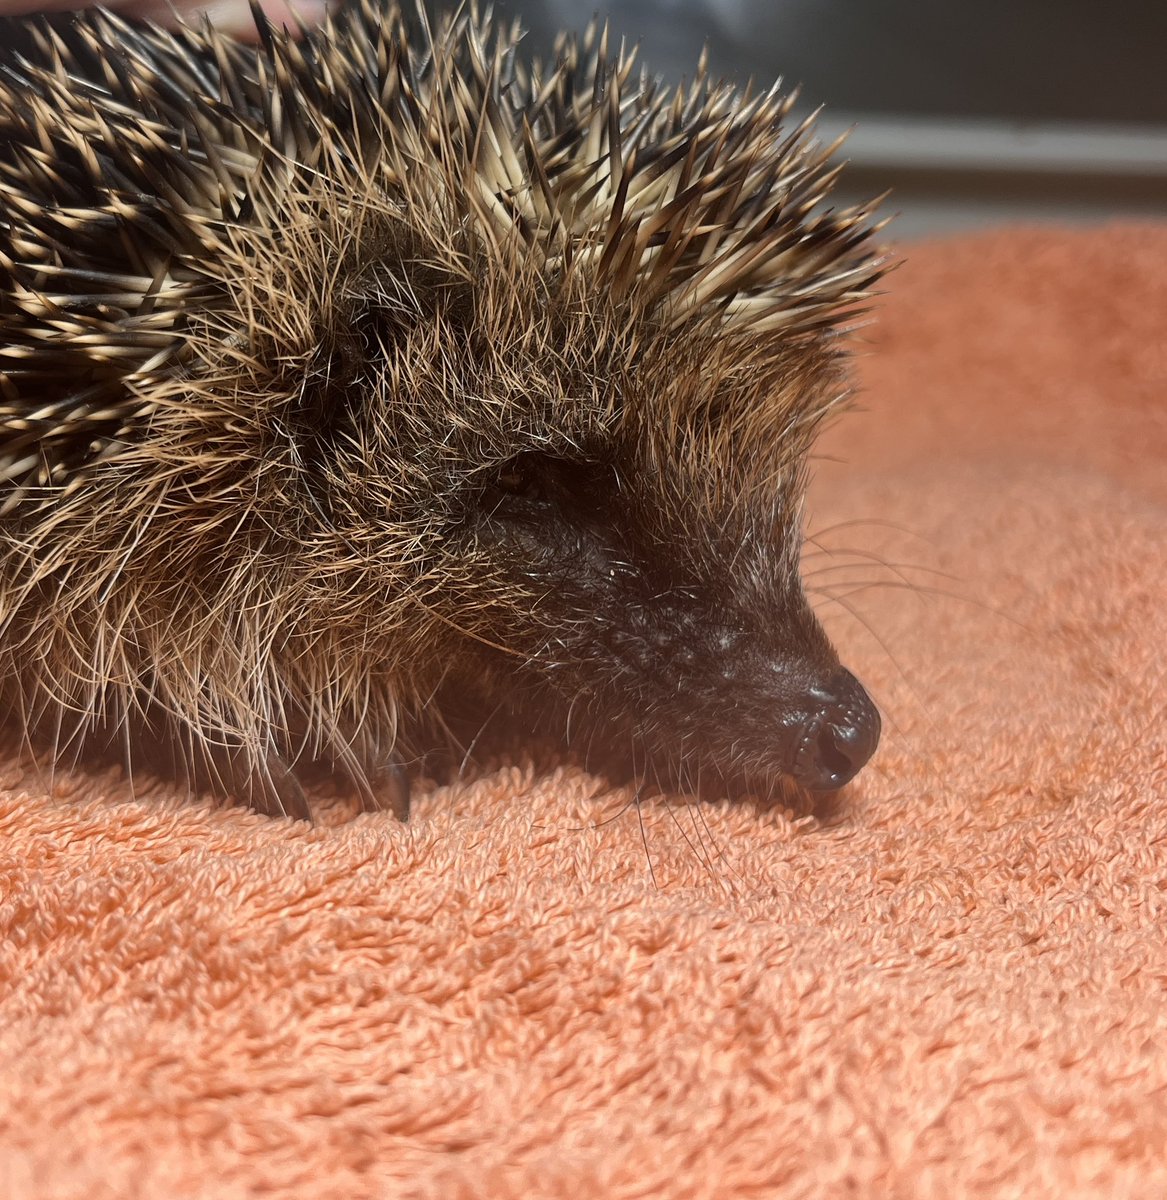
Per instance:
(952,985)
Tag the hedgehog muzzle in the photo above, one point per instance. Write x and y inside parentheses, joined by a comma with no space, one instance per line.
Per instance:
(837,735)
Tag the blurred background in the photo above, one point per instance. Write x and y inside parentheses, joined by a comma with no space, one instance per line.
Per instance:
(974,114)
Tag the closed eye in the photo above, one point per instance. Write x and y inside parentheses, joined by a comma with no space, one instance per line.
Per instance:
(519,478)
(534,480)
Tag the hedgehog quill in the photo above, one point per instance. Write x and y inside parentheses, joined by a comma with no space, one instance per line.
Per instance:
(355,382)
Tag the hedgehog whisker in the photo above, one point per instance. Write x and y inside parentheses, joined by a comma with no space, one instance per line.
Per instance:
(856,587)
(644,838)
(869,557)
(816,537)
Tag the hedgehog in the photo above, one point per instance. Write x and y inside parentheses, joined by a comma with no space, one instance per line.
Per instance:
(368,383)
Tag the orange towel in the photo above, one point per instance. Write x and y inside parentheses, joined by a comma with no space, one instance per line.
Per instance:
(950,984)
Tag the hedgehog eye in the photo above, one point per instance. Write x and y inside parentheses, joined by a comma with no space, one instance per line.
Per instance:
(521,478)
(536,480)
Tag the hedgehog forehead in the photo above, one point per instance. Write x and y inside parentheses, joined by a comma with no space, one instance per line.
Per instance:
(530,369)
(491,366)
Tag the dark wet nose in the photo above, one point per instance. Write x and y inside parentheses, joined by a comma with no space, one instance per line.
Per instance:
(838,737)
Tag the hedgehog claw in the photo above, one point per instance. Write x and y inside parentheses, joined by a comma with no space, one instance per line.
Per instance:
(396,786)
(273,790)
(385,786)
(269,786)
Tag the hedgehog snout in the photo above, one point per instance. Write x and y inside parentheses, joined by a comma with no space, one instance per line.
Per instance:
(837,736)
(788,708)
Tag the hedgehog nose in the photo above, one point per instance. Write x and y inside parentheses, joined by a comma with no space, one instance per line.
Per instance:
(838,737)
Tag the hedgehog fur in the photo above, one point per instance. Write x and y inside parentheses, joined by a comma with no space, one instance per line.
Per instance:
(374,379)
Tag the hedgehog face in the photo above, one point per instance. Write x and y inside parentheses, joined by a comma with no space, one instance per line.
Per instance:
(663,627)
